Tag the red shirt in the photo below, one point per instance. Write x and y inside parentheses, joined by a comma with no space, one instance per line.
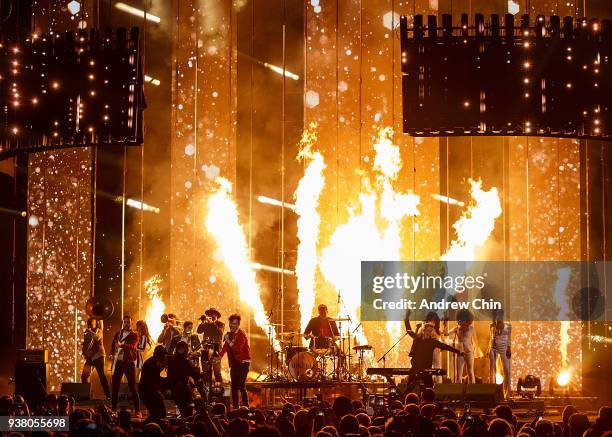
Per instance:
(241,351)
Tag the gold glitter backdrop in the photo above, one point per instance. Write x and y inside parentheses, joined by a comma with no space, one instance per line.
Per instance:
(59,235)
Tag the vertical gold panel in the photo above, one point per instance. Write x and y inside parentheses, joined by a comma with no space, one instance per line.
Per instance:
(203,147)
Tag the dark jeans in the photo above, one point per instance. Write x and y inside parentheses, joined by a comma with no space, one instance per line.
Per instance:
(215,363)
(154,401)
(238,375)
(98,364)
(127,368)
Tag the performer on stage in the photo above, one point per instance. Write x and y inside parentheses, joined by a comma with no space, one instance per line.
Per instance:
(94,353)
(423,346)
(432,330)
(144,342)
(465,338)
(150,384)
(501,336)
(180,370)
(192,340)
(170,331)
(321,329)
(236,344)
(211,329)
(124,361)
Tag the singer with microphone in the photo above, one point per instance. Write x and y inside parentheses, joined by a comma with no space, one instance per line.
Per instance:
(236,344)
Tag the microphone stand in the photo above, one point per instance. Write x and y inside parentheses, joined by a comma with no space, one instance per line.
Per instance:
(383,358)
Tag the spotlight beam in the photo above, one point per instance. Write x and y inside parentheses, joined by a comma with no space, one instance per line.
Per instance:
(275,68)
(137,12)
(257,266)
(13,212)
(152,80)
(270,201)
(448,200)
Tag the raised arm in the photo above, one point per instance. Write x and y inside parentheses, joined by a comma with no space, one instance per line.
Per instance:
(445,347)
(409,330)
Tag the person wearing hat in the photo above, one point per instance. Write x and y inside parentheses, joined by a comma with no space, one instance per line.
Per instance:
(212,330)
(180,375)
(151,383)
(169,332)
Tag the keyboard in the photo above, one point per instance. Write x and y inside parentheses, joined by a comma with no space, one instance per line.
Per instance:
(400,371)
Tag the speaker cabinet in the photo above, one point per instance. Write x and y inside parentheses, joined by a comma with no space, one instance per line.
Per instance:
(31,381)
(487,393)
(79,390)
(449,392)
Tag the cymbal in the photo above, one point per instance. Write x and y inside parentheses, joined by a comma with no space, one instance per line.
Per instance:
(291,334)
(363,347)
(341,319)
(272,324)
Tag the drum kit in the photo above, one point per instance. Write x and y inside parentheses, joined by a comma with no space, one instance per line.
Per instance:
(325,359)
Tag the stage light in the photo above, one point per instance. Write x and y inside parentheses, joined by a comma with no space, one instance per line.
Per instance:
(600,339)
(74,7)
(564,378)
(513,8)
(152,80)
(449,200)
(499,378)
(391,20)
(274,202)
(529,387)
(13,212)
(137,12)
(279,70)
(133,203)
(258,266)
(561,384)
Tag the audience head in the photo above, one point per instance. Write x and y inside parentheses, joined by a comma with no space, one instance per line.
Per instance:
(238,427)
(348,425)
(578,424)
(567,412)
(543,428)
(342,406)
(412,398)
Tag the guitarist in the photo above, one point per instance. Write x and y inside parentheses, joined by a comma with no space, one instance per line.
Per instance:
(93,352)
(124,362)
(193,343)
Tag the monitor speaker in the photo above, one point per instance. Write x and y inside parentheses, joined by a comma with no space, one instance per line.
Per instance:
(449,392)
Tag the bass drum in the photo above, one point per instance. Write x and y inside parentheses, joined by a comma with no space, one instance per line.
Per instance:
(303,367)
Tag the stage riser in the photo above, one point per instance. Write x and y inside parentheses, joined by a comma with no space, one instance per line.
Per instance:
(274,395)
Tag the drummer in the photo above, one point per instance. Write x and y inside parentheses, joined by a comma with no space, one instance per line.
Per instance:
(321,330)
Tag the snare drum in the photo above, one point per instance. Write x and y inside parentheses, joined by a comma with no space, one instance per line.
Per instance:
(303,366)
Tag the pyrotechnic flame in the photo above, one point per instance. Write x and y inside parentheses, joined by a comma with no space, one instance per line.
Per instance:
(372,234)
(563,278)
(475,225)
(223,224)
(564,342)
(156,306)
(306,201)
